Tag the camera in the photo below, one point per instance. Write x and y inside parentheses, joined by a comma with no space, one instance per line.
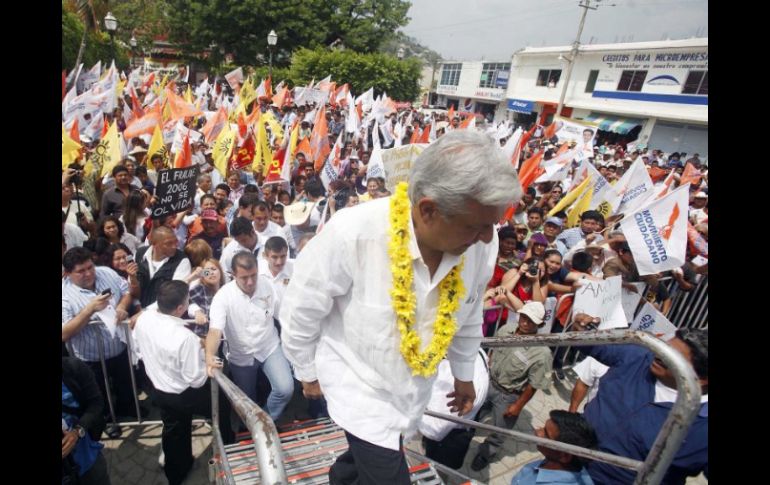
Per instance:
(532,269)
(206,272)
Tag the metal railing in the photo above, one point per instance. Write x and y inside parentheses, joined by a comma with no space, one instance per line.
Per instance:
(267,443)
(689,309)
(671,434)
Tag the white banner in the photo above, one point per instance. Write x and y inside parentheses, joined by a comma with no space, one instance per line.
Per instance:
(550,315)
(397,163)
(634,188)
(601,299)
(630,300)
(581,133)
(657,234)
(181,132)
(652,321)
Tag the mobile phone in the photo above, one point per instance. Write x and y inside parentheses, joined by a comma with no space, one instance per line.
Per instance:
(130,258)
(107,292)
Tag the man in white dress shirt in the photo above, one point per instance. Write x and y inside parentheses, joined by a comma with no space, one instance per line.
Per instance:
(173,360)
(243,310)
(264,226)
(277,268)
(339,327)
(244,240)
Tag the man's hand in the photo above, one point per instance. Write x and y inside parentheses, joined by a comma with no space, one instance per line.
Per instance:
(463,397)
(99,303)
(132,268)
(68,442)
(200,318)
(582,321)
(312,390)
(132,320)
(513,411)
(120,315)
(213,362)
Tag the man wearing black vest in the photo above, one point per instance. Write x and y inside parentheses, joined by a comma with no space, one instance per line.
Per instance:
(160,262)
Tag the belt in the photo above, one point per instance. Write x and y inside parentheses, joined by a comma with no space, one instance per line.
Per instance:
(501,388)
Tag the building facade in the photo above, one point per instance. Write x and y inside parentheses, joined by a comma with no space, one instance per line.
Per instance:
(652,93)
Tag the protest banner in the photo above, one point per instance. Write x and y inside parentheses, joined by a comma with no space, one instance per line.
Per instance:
(398,162)
(550,315)
(601,299)
(175,191)
(582,134)
(630,300)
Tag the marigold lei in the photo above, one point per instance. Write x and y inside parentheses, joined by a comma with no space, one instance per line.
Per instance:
(451,291)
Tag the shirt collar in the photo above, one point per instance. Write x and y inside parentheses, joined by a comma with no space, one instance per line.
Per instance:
(557,476)
(665,397)
(414,248)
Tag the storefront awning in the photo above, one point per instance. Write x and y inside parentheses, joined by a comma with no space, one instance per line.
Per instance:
(610,123)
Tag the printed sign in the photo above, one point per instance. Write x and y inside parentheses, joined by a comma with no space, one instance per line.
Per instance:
(652,321)
(398,162)
(175,191)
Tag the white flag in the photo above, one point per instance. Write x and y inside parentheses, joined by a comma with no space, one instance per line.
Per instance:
(181,132)
(510,147)
(657,233)
(652,321)
(634,188)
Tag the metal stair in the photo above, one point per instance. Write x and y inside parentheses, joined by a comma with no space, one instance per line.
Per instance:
(309,449)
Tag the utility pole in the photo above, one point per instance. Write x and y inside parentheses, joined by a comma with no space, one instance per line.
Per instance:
(573,54)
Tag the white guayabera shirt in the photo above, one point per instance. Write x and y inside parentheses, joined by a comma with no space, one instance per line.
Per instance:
(338,325)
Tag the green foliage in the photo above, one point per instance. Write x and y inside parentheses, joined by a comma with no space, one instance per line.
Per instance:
(240,28)
(400,79)
(98,45)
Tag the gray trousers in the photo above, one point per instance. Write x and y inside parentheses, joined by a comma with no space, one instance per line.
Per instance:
(497,403)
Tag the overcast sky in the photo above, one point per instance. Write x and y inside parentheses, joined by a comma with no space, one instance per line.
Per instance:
(494,29)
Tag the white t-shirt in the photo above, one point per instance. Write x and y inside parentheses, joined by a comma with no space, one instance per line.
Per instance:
(590,370)
(73,236)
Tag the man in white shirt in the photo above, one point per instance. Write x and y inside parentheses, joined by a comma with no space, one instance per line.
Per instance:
(264,227)
(173,360)
(162,261)
(339,328)
(278,269)
(243,310)
(244,240)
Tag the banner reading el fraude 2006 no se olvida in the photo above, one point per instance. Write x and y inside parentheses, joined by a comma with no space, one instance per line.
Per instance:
(175,191)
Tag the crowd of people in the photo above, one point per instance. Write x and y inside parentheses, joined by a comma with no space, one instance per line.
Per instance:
(296,279)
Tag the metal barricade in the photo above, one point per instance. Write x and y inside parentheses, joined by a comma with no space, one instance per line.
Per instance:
(499,316)
(689,309)
(674,429)
(267,443)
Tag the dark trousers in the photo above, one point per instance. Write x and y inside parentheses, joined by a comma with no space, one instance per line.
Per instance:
(452,449)
(97,474)
(368,464)
(176,412)
(119,374)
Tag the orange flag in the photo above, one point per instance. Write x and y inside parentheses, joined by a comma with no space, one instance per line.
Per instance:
(530,170)
(144,125)
(415,136)
(450,114)
(105,128)
(656,173)
(179,107)
(280,98)
(75,131)
(254,116)
(690,175)
(550,131)
(136,106)
(563,148)
(184,157)
(214,126)
(319,140)
(360,110)
(304,147)
(469,122)
(425,136)
(242,125)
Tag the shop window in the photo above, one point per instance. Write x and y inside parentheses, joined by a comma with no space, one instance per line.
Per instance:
(489,73)
(632,80)
(697,83)
(592,76)
(450,74)
(548,77)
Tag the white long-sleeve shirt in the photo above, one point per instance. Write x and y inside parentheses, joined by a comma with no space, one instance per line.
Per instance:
(338,325)
(172,354)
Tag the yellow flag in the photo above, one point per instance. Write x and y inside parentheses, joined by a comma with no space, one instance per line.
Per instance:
(119,88)
(275,127)
(107,152)
(582,205)
(188,95)
(248,93)
(69,148)
(157,146)
(264,155)
(570,197)
(223,147)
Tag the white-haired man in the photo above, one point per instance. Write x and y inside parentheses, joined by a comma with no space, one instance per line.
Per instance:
(390,287)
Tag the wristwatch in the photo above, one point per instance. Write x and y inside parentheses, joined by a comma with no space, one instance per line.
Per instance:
(81,431)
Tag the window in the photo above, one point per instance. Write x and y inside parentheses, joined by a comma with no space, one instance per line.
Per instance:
(632,80)
(697,83)
(548,78)
(450,74)
(591,81)
(489,74)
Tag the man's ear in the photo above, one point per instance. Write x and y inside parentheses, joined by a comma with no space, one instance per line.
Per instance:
(428,210)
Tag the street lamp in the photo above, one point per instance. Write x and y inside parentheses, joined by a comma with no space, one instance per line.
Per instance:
(400,53)
(111,24)
(133,44)
(272,39)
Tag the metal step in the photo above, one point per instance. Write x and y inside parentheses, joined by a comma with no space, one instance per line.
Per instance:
(310,448)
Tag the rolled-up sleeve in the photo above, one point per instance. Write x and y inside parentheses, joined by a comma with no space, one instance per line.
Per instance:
(321,272)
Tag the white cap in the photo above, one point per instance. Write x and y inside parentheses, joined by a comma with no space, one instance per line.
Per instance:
(535,311)
(296,214)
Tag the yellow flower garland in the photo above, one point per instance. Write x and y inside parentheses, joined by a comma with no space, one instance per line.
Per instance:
(451,292)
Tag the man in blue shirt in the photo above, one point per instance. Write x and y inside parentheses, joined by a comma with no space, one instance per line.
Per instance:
(558,466)
(633,401)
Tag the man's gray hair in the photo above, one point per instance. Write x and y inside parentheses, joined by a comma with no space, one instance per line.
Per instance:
(203,176)
(460,166)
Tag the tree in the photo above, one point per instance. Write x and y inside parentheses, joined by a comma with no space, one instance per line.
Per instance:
(241,28)
(400,79)
(94,46)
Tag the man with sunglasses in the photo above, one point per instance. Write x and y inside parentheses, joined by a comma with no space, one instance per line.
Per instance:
(634,400)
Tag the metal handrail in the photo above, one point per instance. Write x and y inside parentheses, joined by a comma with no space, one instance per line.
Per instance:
(267,443)
(679,419)
(441,467)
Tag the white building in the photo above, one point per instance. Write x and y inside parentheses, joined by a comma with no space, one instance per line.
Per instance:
(652,92)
